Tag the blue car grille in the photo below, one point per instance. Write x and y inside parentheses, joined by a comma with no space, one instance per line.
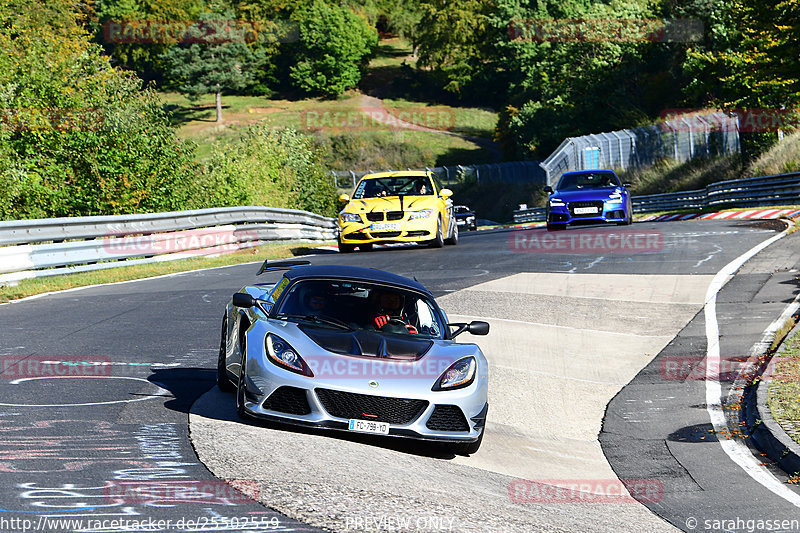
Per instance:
(367,407)
(447,418)
(587,203)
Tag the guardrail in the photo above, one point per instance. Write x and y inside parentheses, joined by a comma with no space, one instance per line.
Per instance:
(750,192)
(47,247)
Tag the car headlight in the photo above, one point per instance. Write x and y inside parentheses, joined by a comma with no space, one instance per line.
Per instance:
(351,217)
(283,355)
(614,198)
(423,213)
(555,202)
(470,219)
(460,374)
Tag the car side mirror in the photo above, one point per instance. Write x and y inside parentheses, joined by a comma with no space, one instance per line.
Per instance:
(445,193)
(476,327)
(242,299)
(548,189)
(344,198)
(626,185)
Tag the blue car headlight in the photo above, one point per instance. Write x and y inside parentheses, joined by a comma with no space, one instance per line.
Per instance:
(615,198)
(351,217)
(460,374)
(556,202)
(280,353)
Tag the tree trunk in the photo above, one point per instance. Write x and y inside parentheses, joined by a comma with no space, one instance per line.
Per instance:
(219,106)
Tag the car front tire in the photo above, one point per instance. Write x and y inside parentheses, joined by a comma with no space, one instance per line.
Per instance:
(223,381)
(453,239)
(438,241)
(345,248)
(240,410)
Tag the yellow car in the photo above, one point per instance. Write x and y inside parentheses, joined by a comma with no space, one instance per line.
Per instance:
(403,206)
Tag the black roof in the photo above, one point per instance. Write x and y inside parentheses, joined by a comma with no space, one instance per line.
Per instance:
(354,273)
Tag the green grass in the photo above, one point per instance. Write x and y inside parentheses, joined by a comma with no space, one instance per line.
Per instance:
(782,158)
(376,145)
(29,287)
(784,390)
(363,146)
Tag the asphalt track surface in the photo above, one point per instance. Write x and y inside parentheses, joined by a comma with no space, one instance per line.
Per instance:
(109,440)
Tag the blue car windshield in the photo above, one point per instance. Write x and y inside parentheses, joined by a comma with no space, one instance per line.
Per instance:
(589,180)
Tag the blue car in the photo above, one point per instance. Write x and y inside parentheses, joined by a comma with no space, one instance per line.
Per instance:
(587,196)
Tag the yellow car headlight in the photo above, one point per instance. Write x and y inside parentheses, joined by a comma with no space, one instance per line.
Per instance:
(351,217)
(423,213)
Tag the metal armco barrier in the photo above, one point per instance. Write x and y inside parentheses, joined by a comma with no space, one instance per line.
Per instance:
(46,247)
(750,192)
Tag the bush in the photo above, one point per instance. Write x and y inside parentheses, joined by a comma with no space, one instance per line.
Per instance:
(276,168)
(80,137)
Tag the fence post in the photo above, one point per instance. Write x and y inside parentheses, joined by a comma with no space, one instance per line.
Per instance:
(691,138)
(619,143)
(353,173)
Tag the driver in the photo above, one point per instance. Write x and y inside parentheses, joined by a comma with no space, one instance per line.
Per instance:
(390,306)
(315,303)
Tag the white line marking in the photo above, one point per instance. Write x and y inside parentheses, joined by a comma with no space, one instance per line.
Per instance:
(736,450)
(130,400)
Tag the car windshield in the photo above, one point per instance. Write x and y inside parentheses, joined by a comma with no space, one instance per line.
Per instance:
(394,186)
(589,180)
(356,305)
(462,209)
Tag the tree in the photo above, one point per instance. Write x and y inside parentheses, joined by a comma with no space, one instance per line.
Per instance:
(221,62)
(453,40)
(334,47)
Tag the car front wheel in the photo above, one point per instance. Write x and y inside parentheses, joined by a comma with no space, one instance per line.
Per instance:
(223,381)
(346,248)
(240,392)
(453,239)
(438,242)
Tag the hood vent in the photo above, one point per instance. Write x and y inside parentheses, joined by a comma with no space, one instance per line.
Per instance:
(364,343)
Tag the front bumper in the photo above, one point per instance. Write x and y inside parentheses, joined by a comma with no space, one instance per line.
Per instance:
(272,393)
(610,212)
(418,230)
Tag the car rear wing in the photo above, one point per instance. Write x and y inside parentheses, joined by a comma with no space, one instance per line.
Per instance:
(270,266)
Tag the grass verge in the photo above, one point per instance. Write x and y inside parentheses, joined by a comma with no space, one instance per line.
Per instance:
(30,287)
(784,390)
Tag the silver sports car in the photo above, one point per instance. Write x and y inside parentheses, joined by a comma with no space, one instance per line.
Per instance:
(353,349)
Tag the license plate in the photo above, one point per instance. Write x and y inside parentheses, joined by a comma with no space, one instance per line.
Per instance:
(585,210)
(387,226)
(368,426)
